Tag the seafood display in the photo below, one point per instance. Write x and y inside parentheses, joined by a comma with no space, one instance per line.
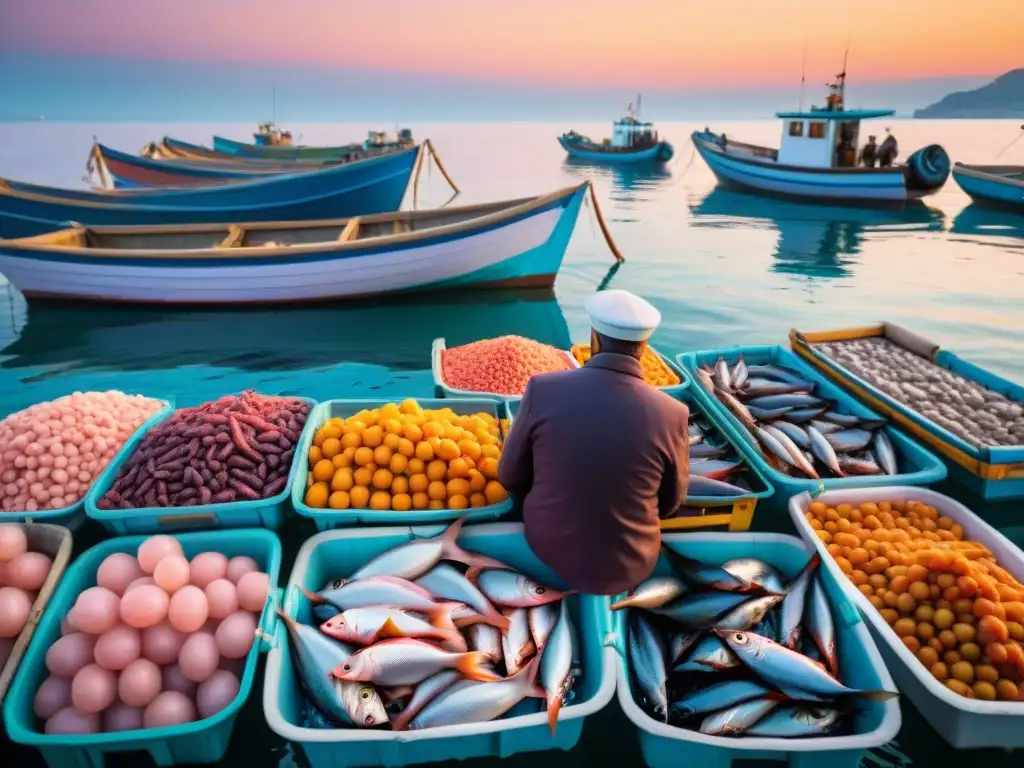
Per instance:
(52,452)
(797,432)
(22,574)
(656,372)
(737,650)
(411,640)
(972,412)
(237,448)
(716,469)
(159,640)
(401,457)
(946,597)
(503,365)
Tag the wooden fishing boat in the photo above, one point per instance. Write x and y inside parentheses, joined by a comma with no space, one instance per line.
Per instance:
(374,185)
(514,243)
(632,141)
(376,140)
(175,149)
(818,159)
(1000,186)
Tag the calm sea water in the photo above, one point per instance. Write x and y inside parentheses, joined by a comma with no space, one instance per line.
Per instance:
(723,268)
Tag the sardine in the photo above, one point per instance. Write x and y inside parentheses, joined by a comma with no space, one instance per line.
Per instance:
(820,624)
(445,582)
(468,702)
(721,375)
(826,427)
(423,694)
(852,466)
(790,672)
(745,616)
(736,720)
(710,654)
(775,373)
(487,640)
(802,415)
(517,644)
(871,424)
(707,451)
(718,696)
(408,662)
(653,593)
(754,571)
(763,387)
(679,644)
(365,626)
(379,590)
(885,453)
(556,665)
(791,615)
(824,452)
(705,380)
(714,468)
(511,589)
(788,722)
(542,620)
(738,409)
(794,432)
(797,456)
(795,400)
(316,655)
(842,419)
(703,609)
(849,440)
(705,486)
(415,558)
(738,375)
(647,656)
(769,443)
(769,414)
(706,575)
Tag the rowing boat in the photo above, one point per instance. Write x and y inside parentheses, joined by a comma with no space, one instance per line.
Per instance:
(271,152)
(1000,186)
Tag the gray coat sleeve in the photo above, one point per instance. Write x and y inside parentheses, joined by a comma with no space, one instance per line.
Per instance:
(515,470)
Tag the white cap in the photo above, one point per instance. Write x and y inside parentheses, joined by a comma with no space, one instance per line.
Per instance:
(622,315)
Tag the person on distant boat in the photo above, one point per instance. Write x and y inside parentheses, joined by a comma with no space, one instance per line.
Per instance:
(887,152)
(868,153)
(599,456)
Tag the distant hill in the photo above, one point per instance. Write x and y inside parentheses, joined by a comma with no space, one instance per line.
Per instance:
(1003,97)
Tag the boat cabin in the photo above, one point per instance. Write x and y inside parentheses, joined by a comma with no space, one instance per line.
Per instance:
(823,138)
(379,139)
(630,133)
(269,135)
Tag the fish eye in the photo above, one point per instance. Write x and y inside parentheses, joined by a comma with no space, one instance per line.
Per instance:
(369,720)
(538,590)
(740,638)
(347,667)
(365,694)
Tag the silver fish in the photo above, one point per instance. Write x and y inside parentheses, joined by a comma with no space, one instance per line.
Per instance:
(407,662)
(487,640)
(849,440)
(719,696)
(795,454)
(710,654)
(315,654)
(824,452)
(653,593)
(517,644)
(768,414)
(379,590)
(647,661)
(852,466)
(445,582)
(790,672)
(470,702)
(706,575)
(748,614)
(701,610)
(801,415)
(791,721)
(885,453)
(415,558)
(736,720)
(542,620)
(714,469)
(705,380)
(511,589)
(721,375)
(738,375)
(820,624)
(679,644)
(556,665)
(842,419)
(365,626)
(423,694)
(792,613)
(707,451)
(771,444)
(754,571)
(699,486)
(775,373)
(763,387)
(794,400)
(738,409)
(794,432)
(826,427)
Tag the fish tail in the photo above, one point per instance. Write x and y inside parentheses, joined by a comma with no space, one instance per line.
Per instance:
(531,672)
(813,563)
(400,722)
(493,618)
(554,706)
(472,666)
(313,597)
(473,574)
(625,602)
(877,695)
(452,551)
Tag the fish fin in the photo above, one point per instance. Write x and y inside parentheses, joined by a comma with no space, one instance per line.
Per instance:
(554,706)
(313,597)
(623,603)
(396,692)
(473,574)
(877,695)
(450,549)
(471,665)
(496,620)
(388,630)
(400,722)
(440,615)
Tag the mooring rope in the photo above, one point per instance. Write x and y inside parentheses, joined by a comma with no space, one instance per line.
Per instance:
(604,227)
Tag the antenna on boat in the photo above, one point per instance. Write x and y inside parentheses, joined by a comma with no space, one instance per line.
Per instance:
(273,104)
(638,106)
(803,75)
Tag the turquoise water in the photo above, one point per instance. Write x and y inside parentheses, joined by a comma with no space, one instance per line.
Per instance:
(723,268)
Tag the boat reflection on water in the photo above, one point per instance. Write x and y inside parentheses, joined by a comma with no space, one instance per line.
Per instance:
(396,334)
(987,223)
(628,182)
(814,241)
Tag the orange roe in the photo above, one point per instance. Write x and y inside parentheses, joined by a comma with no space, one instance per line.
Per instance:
(503,365)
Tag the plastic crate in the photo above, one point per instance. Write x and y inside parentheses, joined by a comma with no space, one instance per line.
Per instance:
(325,519)
(860,664)
(264,513)
(443,390)
(204,741)
(683,376)
(964,723)
(338,553)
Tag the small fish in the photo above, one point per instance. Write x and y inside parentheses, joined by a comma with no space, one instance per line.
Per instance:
(408,662)
(679,644)
(826,427)
(707,451)
(770,443)
(469,702)
(556,665)
(842,419)
(365,626)
(745,616)
(754,571)
(738,409)
(824,452)
(802,415)
(852,466)
(791,721)
(517,644)
(761,387)
(511,589)
(647,661)
(736,720)
(820,624)
(445,582)
(886,454)
(769,414)
(487,640)
(315,654)
(871,424)
(705,486)
(375,591)
(710,654)
(792,612)
(719,696)
(696,439)
(799,460)
(775,373)
(705,380)
(653,593)
(738,375)
(715,469)
(695,432)
(849,440)
(423,694)
(703,609)
(706,575)
(790,672)
(542,620)
(415,558)
(795,400)
(721,375)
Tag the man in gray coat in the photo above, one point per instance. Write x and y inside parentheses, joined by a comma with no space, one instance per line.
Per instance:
(599,456)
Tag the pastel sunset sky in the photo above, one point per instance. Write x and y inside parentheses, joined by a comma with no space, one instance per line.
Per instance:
(549,45)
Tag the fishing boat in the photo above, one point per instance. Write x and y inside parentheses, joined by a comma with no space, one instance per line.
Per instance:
(513,243)
(374,185)
(632,141)
(376,140)
(817,159)
(993,185)
(269,135)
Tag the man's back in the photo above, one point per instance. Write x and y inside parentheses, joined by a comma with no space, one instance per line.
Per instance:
(600,454)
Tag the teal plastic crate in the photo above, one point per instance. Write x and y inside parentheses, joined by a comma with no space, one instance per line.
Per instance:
(443,390)
(339,553)
(264,513)
(326,519)
(73,516)
(860,666)
(917,465)
(204,741)
(674,389)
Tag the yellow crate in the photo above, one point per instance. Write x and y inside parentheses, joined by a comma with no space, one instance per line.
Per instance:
(737,515)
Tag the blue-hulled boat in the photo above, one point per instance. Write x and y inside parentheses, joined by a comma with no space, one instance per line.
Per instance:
(514,243)
(632,141)
(376,140)
(1000,186)
(818,159)
(373,185)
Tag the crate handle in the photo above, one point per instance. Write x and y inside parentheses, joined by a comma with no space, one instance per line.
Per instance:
(179,521)
(817,490)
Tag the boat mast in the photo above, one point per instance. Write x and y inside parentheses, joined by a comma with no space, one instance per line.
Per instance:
(803,75)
